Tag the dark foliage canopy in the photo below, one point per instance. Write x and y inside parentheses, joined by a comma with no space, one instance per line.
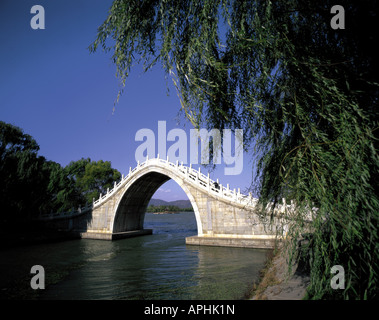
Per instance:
(31,185)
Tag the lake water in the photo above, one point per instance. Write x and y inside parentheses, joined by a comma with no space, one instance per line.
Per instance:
(158,266)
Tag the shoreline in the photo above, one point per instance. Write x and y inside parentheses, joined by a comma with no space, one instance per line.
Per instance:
(170,212)
(277,284)
(26,233)
(16,239)
(165,212)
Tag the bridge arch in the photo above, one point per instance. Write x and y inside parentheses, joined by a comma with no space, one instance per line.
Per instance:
(130,209)
(224,217)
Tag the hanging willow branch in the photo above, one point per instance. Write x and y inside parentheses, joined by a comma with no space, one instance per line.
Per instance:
(305,95)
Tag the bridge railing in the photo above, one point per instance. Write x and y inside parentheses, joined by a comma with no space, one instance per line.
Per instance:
(205,182)
(66,214)
(190,174)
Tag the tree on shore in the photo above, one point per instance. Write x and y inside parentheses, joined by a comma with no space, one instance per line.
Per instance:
(31,185)
(305,94)
(24,175)
(92,178)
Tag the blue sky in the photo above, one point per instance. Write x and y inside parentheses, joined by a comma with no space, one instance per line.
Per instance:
(63,96)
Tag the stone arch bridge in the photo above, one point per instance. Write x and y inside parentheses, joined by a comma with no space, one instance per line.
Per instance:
(224,217)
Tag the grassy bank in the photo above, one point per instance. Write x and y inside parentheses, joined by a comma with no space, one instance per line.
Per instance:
(276,283)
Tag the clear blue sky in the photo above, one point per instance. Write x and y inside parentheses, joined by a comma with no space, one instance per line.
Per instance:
(60,94)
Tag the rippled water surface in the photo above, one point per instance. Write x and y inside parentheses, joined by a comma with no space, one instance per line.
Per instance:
(158,266)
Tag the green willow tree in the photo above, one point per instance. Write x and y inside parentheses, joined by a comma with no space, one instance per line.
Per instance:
(305,95)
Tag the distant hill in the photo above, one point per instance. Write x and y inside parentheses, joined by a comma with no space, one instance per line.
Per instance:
(157,202)
(178,203)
